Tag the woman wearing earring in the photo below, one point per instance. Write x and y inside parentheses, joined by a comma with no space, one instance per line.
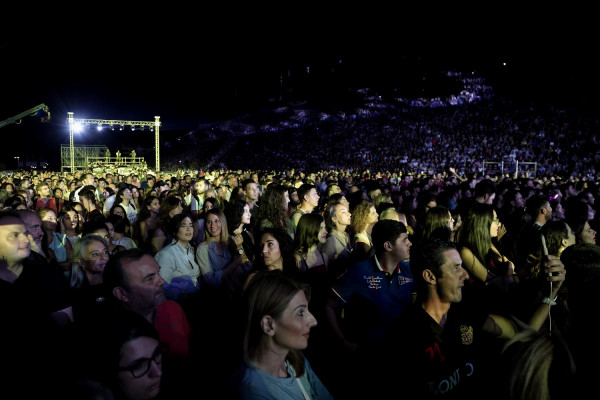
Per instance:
(277,328)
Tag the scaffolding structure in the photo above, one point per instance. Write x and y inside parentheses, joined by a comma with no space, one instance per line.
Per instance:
(153,125)
(86,157)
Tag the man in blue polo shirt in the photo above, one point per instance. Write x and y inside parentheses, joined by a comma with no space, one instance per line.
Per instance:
(368,297)
(374,291)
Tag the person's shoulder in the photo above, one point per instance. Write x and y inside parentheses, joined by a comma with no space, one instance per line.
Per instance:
(367,262)
(359,268)
(242,382)
(464,250)
(296,215)
(169,306)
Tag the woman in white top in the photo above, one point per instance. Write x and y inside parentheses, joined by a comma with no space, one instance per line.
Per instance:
(177,260)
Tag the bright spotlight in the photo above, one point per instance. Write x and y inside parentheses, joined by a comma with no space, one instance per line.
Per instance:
(78,127)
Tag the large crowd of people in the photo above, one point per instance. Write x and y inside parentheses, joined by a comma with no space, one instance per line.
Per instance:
(473,130)
(375,255)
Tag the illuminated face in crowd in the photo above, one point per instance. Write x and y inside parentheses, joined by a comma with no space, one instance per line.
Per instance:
(342,215)
(292,328)
(373,216)
(49,221)
(246,216)
(207,206)
(450,284)
(71,219)
(185,233)
(154,206)
(450,221)
(588,235)
(322,233)
(271,252)
(127,195)
(14,244)
(140,368)
(558,213)
(213,225)
(591,212)
(401,248)
(33,224)
(95,258)
(111,230)
(252,192)
(312,198)
(494,226)
(44,191)
(144,290)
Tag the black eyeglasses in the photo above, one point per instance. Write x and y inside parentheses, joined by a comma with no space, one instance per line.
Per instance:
(142,365)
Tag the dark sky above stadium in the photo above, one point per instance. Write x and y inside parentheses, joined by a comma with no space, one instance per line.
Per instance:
(189,66)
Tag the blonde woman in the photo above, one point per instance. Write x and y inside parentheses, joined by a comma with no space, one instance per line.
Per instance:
(217,256)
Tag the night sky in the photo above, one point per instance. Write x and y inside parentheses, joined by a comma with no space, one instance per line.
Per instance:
(197,66)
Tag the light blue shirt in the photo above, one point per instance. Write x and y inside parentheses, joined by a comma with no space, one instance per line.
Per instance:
(251,383)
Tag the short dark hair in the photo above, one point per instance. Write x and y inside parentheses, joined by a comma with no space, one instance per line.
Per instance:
(534,204)
(304,189)
(428,254)
(93,225)
(386,230)
(485,186)
(246,182)
(113,275)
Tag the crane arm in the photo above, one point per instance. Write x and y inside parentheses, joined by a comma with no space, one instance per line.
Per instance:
(40,110)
